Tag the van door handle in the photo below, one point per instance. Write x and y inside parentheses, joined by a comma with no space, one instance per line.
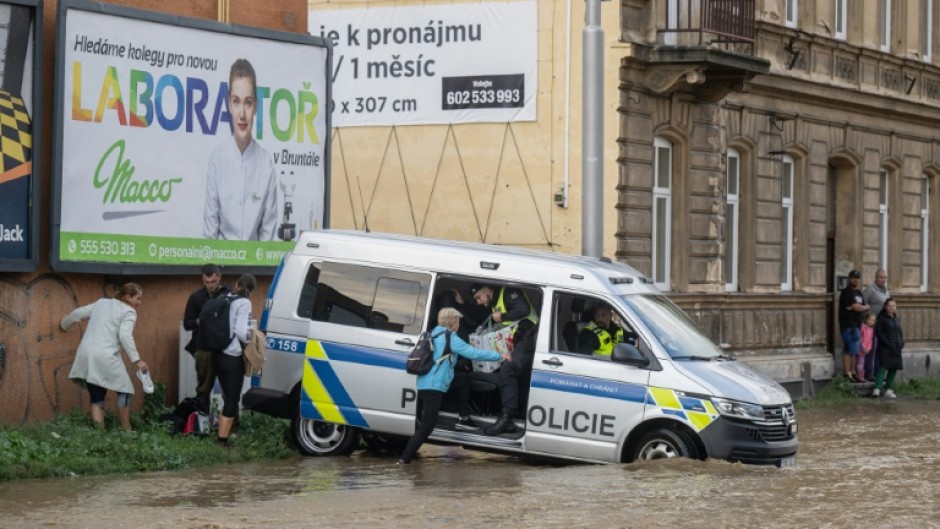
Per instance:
(553,361)
(405,341)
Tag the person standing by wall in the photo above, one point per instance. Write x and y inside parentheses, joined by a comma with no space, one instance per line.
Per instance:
(891,344)
(852,309)
(211,287)
(228,364)
(875,295)
(98,366)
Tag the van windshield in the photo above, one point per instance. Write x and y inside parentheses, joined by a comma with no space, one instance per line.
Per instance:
(672,327)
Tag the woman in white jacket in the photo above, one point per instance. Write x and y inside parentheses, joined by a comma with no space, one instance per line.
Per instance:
(98,366)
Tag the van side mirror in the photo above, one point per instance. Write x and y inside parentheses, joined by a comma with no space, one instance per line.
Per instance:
(625,353)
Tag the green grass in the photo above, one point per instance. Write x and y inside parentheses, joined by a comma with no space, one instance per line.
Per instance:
(70,445)
(840,391)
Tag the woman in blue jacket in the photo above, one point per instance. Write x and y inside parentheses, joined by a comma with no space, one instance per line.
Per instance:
(433,385)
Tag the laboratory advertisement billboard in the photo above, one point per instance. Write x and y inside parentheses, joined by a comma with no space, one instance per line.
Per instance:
(432,63)
(20,38)
(183,142)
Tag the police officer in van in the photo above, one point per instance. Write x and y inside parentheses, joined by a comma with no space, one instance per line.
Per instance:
(602,334)
(511,305)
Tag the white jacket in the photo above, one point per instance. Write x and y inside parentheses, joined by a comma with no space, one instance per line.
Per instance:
(98,360)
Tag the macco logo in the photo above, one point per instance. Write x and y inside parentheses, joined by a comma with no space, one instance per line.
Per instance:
(14,234)
(255,197)
(119,185)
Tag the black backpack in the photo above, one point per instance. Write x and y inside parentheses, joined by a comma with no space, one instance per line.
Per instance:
(215,333)
(421,359)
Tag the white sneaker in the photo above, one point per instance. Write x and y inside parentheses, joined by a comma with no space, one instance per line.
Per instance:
(876,393)
(890,394)
(145,381)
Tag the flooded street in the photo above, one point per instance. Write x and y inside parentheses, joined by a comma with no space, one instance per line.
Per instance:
(875,464)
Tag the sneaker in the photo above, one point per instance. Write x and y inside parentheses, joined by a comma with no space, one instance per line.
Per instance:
(145,380)
(466,423)
(876,393)
(890,394)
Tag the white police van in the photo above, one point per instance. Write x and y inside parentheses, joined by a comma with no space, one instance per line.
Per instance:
(345,308)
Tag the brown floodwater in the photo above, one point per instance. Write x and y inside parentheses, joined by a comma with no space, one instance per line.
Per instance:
(872,465)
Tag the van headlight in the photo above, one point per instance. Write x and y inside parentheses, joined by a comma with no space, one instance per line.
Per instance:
(740,410)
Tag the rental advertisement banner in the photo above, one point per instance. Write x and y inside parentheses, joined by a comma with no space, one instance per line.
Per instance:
(182,145)
(18,53)
(432,64)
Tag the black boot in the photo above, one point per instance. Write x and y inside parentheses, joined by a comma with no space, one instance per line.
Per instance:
(504,424)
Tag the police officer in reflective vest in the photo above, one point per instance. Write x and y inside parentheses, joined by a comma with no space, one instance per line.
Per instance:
(602,334)
(510,305)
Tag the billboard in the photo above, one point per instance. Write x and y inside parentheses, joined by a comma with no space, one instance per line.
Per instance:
(20,38)
(432,63)
(181,142)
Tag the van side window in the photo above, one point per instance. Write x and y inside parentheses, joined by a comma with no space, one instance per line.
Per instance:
(574,317)
(375,298)
(308,292)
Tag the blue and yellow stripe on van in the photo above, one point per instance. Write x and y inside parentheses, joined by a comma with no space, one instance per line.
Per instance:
(695,411)
(323,396)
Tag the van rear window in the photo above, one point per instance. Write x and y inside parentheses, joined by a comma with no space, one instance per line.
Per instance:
(363,296)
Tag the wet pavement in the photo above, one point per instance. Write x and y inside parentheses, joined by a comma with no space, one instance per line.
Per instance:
(873,465)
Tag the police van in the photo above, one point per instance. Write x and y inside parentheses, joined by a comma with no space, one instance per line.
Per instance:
(345,308)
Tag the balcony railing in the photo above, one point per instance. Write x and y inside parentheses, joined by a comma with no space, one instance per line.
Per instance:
(724,24)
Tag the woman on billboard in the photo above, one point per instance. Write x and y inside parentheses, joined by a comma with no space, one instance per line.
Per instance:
(241,188)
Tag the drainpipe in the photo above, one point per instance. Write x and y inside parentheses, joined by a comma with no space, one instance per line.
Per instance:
(592,170)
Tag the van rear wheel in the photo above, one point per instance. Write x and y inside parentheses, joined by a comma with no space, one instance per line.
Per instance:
(662,444)
(318,438)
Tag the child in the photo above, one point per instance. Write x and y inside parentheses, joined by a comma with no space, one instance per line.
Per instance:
(868,339)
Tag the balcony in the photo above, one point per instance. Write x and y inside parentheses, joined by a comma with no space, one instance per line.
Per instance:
(710,24)
(705,47)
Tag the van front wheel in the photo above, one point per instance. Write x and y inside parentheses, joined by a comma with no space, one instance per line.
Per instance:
(661,444)
(318,438)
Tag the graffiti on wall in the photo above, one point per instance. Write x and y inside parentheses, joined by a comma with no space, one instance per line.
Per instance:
(34,383)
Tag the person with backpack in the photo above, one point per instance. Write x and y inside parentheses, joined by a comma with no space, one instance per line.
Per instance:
(224,328)
(212,288)
(434,384)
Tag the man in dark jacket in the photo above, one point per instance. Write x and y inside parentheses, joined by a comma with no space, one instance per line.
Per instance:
(212,287)
(510,306)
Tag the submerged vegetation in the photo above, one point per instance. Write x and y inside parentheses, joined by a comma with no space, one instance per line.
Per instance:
(71,446)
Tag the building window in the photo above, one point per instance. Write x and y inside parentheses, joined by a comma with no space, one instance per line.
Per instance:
(662,211)
(791,15)
(883,221)
(732,213)
(885,11)
(786,222)
(841,22)
(928,30)
(924,231)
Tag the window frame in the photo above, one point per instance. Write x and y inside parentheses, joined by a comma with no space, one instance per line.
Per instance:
(732,220)
(925,233)
(791,15)
(841,19)
(928,31)
(786,219)
(885,29)
(661,235)
(884,218)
